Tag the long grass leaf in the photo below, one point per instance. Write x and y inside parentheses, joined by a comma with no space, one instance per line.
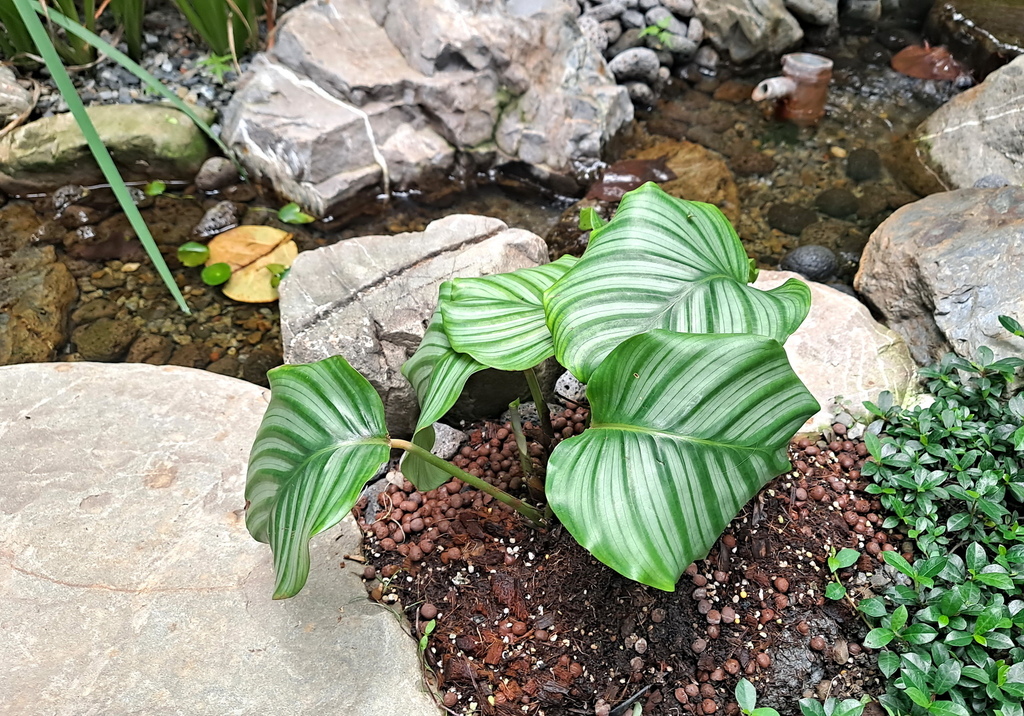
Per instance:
(99,151)
(151,82)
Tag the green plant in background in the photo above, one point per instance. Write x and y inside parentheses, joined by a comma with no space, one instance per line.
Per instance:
(843,559)
(291,213)
(1012,325)
(693,400)
(128,14)
(658,30)
(746,697)
(950,475)
(216,66)
(228,27)
(27,11)
(19,43)
(833,707)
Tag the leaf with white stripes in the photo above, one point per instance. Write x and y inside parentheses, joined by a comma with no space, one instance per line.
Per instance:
(438,374)
(685,429)
(665,263)
(322,438)
(499,320)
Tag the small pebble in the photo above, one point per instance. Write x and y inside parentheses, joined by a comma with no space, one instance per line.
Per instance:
(428,611)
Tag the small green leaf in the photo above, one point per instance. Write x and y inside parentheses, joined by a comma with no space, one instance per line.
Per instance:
(899,618)
(764,711)
(590,219)
(292,213)
(845,558)
(877,638)
(888,663)
(919,634)
(193,253)
(874,445)
(873,607)
(957,522)
(948,708)
(746,695)
(154,188)
(811,707)
(1012,325)
(835,591)
(216,274)
(918,696)
(895,559)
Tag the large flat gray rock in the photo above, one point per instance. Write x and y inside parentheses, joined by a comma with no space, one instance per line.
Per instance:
(369,299)
(128,583)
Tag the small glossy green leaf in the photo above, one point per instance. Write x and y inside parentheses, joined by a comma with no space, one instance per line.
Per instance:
(662,263)
(899,618)
(418,471)
(835,591)
(843,559)
(499,320)
(1012,325)
(193,253)
(888,663)
(154,188)
(878,638)
(919,634)
(685,429)
(216,274)
(746,695)
(894,559)
(764,711)
(438,372)
(811,707)
(873,607)
(918,696)
(322,437)
(948,708)
(292,213)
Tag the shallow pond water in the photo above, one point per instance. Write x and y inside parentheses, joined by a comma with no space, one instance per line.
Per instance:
(793,186)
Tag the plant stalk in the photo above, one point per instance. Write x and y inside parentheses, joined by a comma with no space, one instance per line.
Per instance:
(530,513)
(517,432)
(543,413)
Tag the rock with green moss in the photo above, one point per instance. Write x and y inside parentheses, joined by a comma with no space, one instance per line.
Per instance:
(146,141)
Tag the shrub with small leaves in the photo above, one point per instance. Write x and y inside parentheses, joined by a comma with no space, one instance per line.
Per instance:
(950,475)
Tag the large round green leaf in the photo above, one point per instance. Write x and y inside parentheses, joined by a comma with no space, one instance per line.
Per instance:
(685,429)
(322,437)
(438,374)
(499,320)
(663,263)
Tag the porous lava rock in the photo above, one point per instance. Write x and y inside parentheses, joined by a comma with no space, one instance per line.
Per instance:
(941,270)
(369,299)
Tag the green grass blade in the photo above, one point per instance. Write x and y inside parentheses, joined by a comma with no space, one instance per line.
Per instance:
(99,151)
(151,82)
(129,16)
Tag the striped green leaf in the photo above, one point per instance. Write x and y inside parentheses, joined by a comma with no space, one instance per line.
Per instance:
(663,263)
(438,374)
(685,429)
(499,320)
(322,437)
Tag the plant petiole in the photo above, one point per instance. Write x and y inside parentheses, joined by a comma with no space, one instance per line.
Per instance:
(543,414)
(532,514)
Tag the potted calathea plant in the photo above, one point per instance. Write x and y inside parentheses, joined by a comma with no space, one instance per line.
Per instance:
(692,398)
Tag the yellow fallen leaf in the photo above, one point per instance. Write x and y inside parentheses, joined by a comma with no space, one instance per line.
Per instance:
(251,284)
(243,245)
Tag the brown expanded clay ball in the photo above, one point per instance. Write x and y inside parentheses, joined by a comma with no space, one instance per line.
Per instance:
(709,706)
(763,660)
(369,572)
(818,643)
(782,584)
(428,611)
(450,699)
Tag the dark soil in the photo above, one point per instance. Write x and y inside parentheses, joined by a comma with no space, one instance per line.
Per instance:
(527,622)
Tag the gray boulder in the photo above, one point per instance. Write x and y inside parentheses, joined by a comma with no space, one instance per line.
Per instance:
(941,270)
(747,28)
(979,132)
(856,363)
(639,63)
(146,141)
(130,584)
(400,89)
(815,12)
(369,299)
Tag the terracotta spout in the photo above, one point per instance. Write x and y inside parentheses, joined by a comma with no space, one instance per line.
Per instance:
(802,89)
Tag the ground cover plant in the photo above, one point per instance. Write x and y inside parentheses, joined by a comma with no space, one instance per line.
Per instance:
(950,475)
(692,399)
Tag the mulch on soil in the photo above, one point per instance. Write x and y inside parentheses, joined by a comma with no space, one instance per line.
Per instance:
(527,622)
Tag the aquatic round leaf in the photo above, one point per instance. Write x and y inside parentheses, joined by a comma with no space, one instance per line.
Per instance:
(322,437)
(193,253)
(216,274)
(685,429)
(292,213)
(154,188)
(663,263)
(499,320)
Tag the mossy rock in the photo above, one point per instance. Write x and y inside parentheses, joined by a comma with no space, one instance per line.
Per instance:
(146,141)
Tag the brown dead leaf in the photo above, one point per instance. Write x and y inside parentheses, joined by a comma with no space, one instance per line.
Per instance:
(243,245)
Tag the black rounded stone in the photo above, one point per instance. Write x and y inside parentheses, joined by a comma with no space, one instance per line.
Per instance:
(790,218)
(863,164)
(812,262)
(836,202)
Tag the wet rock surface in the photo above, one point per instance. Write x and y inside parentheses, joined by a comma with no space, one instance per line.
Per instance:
(985,34)
(126,560)
(941,270)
